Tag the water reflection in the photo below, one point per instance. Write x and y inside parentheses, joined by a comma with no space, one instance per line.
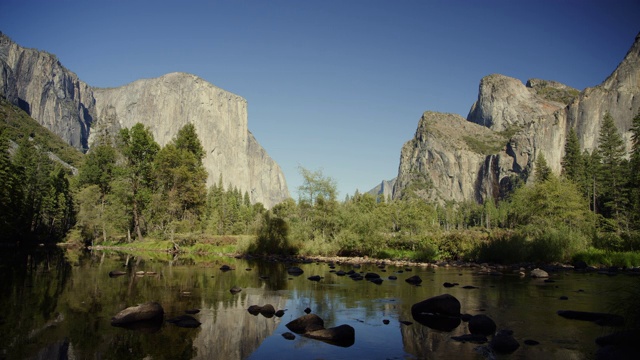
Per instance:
(60,304)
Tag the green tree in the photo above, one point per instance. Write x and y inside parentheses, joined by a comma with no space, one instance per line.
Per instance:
(572,162)
(542,169)
(98,169)
(611,150)
(634,176)
(316,185)
(139,150)
(8,189)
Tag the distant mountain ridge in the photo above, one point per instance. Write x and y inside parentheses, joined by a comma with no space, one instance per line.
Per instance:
(507,128)
(37,82)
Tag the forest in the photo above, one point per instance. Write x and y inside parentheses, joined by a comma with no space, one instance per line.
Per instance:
(129,191)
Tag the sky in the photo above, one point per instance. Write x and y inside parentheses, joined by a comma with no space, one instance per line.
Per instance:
(333,85)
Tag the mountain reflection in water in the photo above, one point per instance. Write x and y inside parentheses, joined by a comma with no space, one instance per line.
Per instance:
(58,304)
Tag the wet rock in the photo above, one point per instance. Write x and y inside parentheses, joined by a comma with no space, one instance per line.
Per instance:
(385,321)
(370,276)
(116,273)
(279,313)
(376,281)
(444,304)
(315,278)
(288,336)
(414,280)
(393,277)
(469,287)
(184,321)
(294,270)
(563,297)
(465,317)
(531,342)
(503,342)
(538,273)
(448,285)
(405,322)
(476,339)
(234,290)
(305,324)
(192,311)
(482,325)
(254,309)
(143,312)
(307,310)
(268,311)
(341,273)
(602,319)
(225,268)
(343,335)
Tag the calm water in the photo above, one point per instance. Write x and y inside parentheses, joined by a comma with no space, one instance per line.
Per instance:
(61,303)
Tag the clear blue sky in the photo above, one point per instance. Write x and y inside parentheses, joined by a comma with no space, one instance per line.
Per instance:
(333,85)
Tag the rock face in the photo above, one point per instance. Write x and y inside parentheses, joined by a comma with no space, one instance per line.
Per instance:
(507,128)
(384,190)
(78,113)
(54,96)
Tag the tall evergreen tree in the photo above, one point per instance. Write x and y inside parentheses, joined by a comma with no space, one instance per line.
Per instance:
(8,189)
(611,174)
(542,169)
(634,178)
(572,163)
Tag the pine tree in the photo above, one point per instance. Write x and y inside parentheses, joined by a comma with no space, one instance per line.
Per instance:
(610,172)
(572,163)
(634,176)
(542,169)
(8,189)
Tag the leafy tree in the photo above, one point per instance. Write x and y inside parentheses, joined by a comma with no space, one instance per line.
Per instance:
(316,185)
(99,169)
(139,150)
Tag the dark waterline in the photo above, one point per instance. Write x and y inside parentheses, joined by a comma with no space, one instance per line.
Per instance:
(56,302)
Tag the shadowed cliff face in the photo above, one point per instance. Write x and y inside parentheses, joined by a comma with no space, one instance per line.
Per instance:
(78,113)
(460,162)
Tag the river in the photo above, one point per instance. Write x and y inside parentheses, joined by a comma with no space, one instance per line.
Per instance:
(58,303)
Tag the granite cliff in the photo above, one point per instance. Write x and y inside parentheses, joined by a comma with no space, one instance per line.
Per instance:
(78,113)
(507,128)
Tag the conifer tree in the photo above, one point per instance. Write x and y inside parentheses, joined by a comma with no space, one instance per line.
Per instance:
(572,163)
(611,150)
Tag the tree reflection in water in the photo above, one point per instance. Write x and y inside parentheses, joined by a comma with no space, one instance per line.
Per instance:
(60,303)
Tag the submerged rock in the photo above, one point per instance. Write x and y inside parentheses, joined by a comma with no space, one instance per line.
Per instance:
(482,325)
(414,280)
(539,273)
(305,324)
(184,321)
(294,270)
(116,273)
(602,319)
(143,312)
(444,304)
(234,290)
(343,335)
(503,342)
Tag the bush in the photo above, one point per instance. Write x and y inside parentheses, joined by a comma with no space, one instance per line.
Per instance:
(273,238)
(503,248)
